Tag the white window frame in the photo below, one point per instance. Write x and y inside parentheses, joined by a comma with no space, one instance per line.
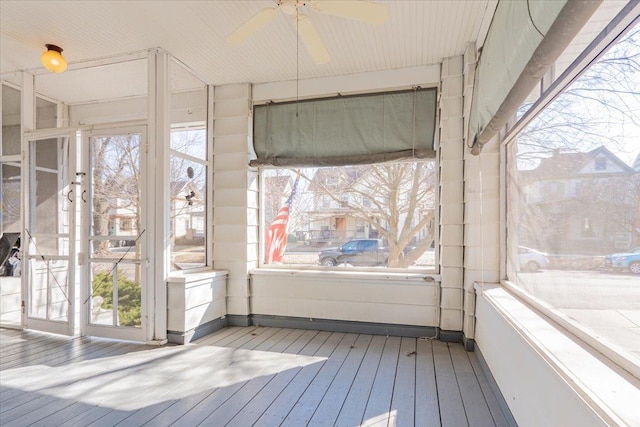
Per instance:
(432,272)
(208,164)
(599,46)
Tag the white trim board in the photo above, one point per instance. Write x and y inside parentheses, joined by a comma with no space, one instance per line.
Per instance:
(546,377)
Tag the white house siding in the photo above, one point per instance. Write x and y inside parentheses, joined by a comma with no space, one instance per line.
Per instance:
(451,194)
(235,195)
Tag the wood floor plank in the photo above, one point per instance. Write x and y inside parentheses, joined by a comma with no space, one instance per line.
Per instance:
(211,339)
(88,417)
(285,401)
(256,337)
(223,414)
(262,400)
(449,398)
(24,407)
(247,376)
(473,400)
(35,381)
(304,408)
(403,399)
(235,335)
(207,408)
(427,410)
(10,332)
(183,406)
(356,400)
(19,346)
(44,354)
(328,409)
(182,383)
(44,411)
(492,402)
(377,411)
(60,417)
(31,355)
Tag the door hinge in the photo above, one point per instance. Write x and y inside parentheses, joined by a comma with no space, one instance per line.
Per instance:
(23,306)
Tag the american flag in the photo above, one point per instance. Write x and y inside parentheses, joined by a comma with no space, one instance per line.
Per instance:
(276,239)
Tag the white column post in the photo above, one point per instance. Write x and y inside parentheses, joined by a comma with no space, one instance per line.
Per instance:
(481,209)
(451,198)
(235,197)
(27,123)
(157,200)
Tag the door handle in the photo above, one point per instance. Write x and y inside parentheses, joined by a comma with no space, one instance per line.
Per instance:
(69,196)
(82,196)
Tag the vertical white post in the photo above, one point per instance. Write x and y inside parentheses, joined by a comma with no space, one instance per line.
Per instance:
(482,229)
(157,200)
(235,197)
(451,197)
(27,123)
(210,171)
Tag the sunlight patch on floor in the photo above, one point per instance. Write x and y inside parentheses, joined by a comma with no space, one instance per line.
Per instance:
(123,382)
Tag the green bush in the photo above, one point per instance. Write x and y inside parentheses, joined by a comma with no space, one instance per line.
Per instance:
(129,297)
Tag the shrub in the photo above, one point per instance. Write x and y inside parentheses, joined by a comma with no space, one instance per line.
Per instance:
(129,297)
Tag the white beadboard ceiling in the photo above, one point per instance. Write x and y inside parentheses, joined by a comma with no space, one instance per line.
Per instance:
(416,33)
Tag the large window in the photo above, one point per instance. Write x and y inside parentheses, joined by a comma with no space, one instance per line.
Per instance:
(376,216)
(188,198)
(573,185)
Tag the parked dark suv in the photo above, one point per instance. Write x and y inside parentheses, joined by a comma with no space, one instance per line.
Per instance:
(366,252)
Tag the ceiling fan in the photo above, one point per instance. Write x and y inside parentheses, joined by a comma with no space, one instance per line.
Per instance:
(365,11)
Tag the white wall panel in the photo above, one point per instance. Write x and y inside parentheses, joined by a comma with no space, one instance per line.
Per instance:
(364,299)
(546,377)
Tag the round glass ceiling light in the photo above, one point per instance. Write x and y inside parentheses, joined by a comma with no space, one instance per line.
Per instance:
(53,60)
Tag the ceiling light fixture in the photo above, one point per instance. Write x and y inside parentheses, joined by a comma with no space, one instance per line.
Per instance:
(53,60)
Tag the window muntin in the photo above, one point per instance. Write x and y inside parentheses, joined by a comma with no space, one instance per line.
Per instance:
(394,203)
(583,262)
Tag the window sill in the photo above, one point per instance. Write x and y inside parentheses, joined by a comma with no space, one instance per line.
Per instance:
(187,276)
(618,355)
(609,390)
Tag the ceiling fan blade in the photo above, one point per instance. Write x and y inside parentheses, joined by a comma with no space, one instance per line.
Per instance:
(312,40)
(256,22)
(374,13)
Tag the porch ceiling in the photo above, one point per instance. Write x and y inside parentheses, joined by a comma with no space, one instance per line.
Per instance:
(416,33)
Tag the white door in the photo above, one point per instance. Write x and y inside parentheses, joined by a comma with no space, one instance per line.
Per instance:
(114,235)
(49,235)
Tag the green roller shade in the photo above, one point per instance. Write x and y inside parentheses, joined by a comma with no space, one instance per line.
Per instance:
(346,130)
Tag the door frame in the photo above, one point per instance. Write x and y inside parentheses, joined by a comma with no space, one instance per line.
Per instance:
(56,327)
(86,327)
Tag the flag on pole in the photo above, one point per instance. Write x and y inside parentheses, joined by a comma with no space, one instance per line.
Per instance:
(276,238)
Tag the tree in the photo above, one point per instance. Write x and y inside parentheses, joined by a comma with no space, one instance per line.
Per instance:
(116,183)
(396,199)
(601,107)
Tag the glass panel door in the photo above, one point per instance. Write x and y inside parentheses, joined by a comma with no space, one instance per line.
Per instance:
(49,235)
(114,198)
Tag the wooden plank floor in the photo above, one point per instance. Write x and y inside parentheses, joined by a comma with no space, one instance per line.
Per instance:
(253,376)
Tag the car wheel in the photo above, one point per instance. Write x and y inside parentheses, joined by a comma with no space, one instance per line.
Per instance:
(328,262)
(634,267)
(532,266)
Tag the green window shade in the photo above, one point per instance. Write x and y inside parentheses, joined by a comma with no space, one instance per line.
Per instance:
(346,130)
